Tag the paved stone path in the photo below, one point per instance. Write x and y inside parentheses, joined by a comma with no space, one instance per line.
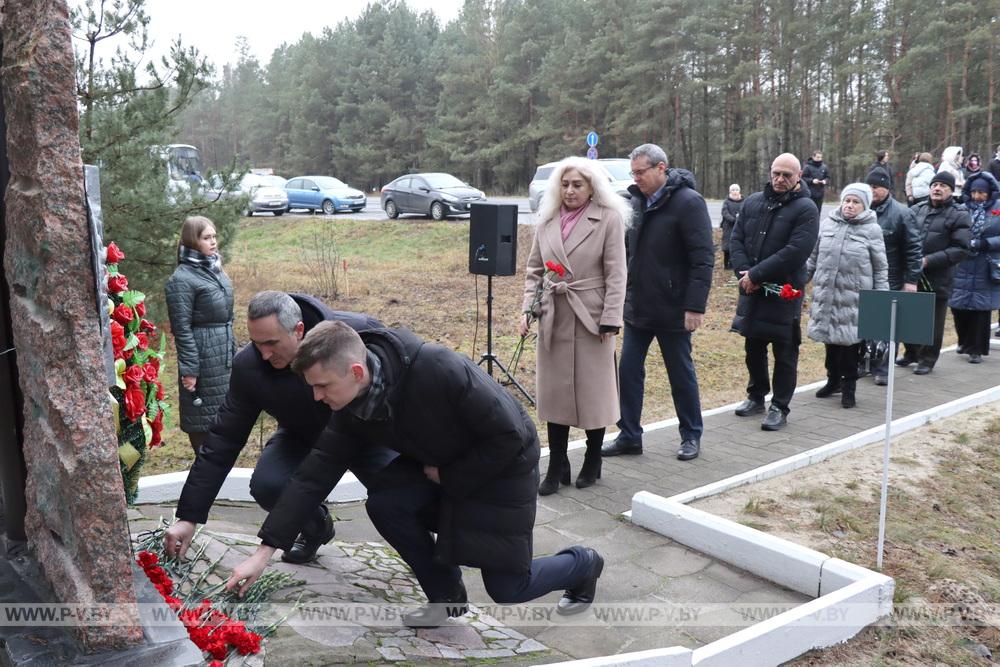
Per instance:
(641,566)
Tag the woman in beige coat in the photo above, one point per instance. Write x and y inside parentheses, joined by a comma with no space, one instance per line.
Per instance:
(582,229)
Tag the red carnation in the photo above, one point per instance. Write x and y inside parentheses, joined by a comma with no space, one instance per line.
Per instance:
(146,325)
(173,602)
(134,375)
(215,663)
(146,559)
(218,649)
(246,643)
(117,284)
(135,403)
(123,314)
(143,340)
(140,309)
(151,369)
(996,212)
(556,267)
(114,254)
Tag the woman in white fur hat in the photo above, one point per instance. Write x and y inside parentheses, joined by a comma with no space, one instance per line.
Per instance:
(849,257)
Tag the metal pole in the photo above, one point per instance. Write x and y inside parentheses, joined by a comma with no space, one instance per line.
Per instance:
(888,434)
(489,325)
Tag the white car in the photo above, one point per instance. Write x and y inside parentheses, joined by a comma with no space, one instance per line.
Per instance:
(616,169)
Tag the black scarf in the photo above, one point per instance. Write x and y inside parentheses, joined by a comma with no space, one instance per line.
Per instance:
(372,406)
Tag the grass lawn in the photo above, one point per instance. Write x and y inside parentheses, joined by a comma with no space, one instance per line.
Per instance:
(942,528)
(414,273)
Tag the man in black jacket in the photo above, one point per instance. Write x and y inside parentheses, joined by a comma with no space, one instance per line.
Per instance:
(816,176)
(670,260)
(262,381)
(770,245)
(903,247)
(464,488)
(946,231)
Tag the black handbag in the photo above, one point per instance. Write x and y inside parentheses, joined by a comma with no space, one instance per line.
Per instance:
(995,269)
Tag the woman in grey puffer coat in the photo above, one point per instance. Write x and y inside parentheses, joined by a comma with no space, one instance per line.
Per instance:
(849,257)
(200,304)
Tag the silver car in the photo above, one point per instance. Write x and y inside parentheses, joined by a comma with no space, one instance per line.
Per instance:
(266,193)
(616,170)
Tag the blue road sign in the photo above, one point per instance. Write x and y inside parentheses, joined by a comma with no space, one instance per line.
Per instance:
(592,153)
(592,138)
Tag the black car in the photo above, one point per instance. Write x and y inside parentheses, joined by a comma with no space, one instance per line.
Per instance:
(437,195)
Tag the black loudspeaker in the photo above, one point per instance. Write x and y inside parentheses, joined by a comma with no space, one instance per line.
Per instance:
(493,239)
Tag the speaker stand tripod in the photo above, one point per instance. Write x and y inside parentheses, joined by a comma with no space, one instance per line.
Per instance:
(491,358)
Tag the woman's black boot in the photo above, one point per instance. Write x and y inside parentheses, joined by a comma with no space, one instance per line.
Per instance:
(591,470)
(558,471)
(847,394)
(832,386)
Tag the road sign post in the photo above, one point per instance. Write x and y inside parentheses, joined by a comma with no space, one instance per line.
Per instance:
(904,317)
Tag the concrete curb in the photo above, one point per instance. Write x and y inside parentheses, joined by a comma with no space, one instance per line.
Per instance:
(166,488)
(855,596)
(856,441)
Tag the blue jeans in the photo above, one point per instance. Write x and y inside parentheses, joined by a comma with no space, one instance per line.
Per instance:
(675,346)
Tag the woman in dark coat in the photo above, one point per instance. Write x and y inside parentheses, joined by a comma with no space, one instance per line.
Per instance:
(200,304)
(730,214)
(974,296)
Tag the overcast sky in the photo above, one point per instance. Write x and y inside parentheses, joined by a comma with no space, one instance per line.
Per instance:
(213,25)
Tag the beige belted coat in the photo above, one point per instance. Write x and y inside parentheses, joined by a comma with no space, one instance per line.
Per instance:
(576,374)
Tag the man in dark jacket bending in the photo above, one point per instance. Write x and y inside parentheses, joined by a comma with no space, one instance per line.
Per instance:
(769,248)
(467,471)
(262,381)
(670,260)
(902,248)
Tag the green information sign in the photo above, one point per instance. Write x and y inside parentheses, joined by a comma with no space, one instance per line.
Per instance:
(914,316)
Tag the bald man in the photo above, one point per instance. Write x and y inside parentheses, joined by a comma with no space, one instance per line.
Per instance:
(770,244)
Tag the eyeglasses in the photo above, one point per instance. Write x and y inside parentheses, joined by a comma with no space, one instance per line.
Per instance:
(637,173)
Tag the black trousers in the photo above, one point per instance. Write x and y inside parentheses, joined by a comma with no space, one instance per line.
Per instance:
(842,362)
(973,329)
(786,363)
(407,517)
(281,457)
(928,354)
(819,203)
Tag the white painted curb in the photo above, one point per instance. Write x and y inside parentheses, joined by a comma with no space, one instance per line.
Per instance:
(166,488)
(855,596)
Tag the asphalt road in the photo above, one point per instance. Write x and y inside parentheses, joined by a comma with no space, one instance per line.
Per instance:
(373,211)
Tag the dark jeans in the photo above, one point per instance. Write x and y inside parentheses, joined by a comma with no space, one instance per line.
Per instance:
(973,329)
(786,363)
(676,350)
(842,363)
(281,457)
(928,354)
(407,517)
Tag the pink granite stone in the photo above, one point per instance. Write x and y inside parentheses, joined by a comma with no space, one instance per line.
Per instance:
(76,521)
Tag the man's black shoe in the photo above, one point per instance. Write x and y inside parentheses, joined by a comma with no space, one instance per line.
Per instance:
(881,380)
(579,598)
(922,369)
(305,547)
(749,407)
(975,358)
(619,446)
(433,614)
(904,360)
(829,389)
(774,420)
(689,450)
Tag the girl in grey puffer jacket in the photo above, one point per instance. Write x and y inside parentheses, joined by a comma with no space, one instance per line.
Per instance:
(849,257)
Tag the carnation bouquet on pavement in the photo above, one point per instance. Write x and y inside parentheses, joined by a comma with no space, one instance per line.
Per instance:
(138,393)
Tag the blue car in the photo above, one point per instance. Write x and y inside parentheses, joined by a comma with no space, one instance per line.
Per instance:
(323,193)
